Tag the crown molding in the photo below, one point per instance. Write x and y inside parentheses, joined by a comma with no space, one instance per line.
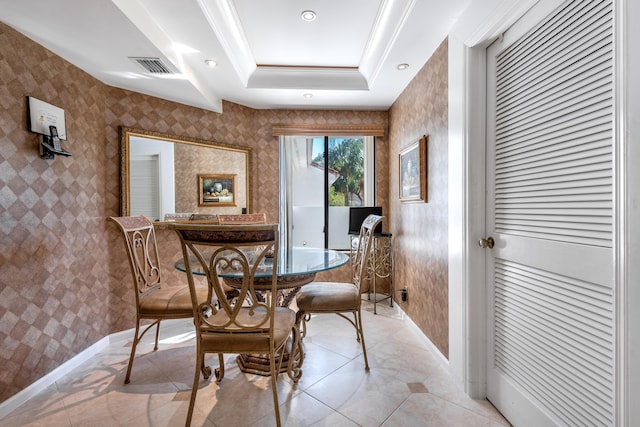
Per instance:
(392,17)
(225,22)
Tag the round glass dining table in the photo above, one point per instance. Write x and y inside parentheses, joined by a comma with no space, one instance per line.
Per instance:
(296,267)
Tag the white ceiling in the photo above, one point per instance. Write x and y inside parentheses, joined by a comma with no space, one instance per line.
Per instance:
(267,56)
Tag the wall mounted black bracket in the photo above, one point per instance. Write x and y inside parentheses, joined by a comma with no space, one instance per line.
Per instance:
(45,152)
(50,145)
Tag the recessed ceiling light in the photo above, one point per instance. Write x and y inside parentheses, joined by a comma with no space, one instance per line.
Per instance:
(308,95)
(402,66)
(308,15)
(211,63)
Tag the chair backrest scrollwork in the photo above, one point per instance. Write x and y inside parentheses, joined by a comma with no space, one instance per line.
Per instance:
(365,246)
(142,250)
(241,256)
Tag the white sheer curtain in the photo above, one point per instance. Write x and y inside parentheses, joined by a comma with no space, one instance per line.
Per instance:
(285,191)
(302,193)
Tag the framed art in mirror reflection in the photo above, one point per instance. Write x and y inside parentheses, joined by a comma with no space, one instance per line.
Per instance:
(216,190)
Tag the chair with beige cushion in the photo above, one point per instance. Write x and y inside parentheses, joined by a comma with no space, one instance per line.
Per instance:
(338,297)
(154,300)
(248,324)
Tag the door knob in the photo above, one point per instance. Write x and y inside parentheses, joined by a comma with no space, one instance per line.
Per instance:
(487,242)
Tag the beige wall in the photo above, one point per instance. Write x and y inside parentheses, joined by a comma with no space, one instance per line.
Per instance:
(420,229)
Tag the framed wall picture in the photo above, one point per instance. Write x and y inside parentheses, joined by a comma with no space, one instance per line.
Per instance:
(216,190)
(413,172)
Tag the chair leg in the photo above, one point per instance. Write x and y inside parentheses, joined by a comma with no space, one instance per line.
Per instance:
(133,352)
(358,316)
(356,323)
(296,355)
(136,339)
(157,335)
(194,387)
(274,388)
(220,369)
(206,370)
(302,321)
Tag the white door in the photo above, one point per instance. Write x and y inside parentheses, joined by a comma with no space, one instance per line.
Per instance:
(551,332)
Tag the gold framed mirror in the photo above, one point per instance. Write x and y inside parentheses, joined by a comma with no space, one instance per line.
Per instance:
(159,175)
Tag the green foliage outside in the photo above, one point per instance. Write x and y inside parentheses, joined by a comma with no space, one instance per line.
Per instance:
(346,158)
(335,199)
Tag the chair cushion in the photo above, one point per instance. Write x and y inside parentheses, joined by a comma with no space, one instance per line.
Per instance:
(328,296)
(170,302)
(256,343)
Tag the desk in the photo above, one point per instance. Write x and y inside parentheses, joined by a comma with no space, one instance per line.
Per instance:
(297,266)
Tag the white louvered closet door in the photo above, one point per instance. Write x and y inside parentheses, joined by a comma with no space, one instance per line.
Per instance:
(549,204)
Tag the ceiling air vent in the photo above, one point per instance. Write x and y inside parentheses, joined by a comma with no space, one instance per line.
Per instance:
(153,65)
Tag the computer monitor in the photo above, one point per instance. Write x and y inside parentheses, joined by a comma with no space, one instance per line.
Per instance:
(357,215)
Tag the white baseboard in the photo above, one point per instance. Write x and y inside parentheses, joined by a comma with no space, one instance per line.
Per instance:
(444,362)
(32,390)
(40,385)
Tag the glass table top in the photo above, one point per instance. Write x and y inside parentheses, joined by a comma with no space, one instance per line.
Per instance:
(292,261)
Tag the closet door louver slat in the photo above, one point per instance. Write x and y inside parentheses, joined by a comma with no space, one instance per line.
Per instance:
(554,336)
(554,128)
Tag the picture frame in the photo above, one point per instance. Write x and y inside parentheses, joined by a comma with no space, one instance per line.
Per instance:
(413,172)
(216,189)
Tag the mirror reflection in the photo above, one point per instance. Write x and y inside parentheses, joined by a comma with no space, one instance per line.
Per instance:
(162,176)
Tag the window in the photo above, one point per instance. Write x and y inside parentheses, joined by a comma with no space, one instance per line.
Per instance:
(321,177)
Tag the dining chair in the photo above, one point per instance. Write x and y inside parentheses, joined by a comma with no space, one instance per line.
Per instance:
(341,298)
(154,300)
(230,219)
(248,324)
(246,219)
(204,218)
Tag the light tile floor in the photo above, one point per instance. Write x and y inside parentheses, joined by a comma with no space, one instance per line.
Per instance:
(405,386)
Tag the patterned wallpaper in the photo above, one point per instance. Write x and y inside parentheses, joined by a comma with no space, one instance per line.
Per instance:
(55,285)
(420,230)
(64,279)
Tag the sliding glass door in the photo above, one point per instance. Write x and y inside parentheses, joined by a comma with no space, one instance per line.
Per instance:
(321,177)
